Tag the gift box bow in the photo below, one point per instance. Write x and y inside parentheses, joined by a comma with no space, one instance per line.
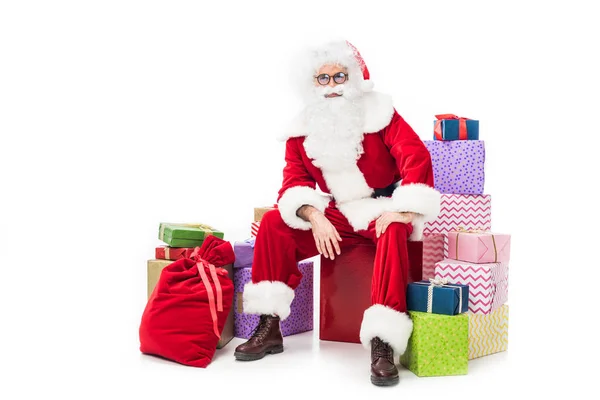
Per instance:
(462,126)
(440,282)
(460,230)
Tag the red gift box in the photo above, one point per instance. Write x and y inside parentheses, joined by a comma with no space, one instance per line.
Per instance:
(346,289)
(172,253)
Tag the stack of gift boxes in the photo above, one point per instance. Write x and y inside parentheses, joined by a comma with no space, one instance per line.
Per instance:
(459,174)
(301,309)
(180,241)
(458,311)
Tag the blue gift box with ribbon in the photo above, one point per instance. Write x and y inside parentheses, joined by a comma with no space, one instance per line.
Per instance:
(437,296)
(451,127)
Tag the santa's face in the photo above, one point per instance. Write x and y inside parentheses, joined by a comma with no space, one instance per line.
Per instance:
(331,75)
(332,81)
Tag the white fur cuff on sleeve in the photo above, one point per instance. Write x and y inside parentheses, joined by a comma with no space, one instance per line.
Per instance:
(294,198)
(418,198)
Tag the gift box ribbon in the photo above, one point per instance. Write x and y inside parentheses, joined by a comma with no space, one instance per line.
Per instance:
(202,266)
(185,253)
(440,282)
(460,230)
(462,126)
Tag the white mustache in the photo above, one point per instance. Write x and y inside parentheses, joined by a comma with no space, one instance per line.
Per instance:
(327,90)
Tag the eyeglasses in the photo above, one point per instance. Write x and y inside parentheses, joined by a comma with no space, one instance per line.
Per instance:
(338,78)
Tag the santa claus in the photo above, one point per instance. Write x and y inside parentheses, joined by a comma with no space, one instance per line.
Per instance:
(376,184)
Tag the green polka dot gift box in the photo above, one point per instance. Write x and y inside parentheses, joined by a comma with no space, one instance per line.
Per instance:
(438,346)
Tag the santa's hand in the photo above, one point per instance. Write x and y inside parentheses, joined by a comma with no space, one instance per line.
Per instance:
(388,217)
(326,236)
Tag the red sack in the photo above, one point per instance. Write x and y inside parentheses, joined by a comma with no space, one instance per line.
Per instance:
(189,306)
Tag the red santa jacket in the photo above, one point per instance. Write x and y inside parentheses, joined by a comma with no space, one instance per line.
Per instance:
(394,173)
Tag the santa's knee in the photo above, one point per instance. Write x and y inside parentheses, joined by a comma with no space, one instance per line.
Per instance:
(272,218)
(397,230)
(273,223)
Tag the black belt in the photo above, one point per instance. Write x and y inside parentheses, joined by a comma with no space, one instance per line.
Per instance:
(385,192)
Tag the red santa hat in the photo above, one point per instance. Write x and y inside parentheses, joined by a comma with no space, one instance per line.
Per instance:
(339,52)
(367,85)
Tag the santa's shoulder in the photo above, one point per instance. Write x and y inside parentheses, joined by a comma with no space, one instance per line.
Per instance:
(379,110)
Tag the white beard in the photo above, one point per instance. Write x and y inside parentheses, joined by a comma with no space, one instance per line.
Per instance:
(335,131)
(335,128)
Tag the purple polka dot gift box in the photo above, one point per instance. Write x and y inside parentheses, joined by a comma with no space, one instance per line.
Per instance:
(301,315)
(458,166)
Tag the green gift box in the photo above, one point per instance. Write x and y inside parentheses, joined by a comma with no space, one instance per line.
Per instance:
(186,235)
(438,346)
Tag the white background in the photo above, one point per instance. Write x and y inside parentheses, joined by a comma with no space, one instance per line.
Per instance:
(116,115)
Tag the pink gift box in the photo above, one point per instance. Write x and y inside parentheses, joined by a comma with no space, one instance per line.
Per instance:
(488,283)
(479,247)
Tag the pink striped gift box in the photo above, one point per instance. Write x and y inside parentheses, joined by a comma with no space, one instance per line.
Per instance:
(254,228)
(488,283)
(433,252)
(466,211)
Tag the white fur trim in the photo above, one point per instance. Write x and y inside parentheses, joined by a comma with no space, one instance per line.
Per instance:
(268,297)
(294,198)
(348,184)
(360,212)
(379,110)
(418,198)
(391,326)
(295,128)
(334,52)
(353,196)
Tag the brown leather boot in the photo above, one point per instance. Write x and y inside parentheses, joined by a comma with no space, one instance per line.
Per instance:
(266,339)
(383,369)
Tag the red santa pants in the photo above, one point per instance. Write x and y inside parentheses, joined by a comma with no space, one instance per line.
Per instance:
(275,274)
